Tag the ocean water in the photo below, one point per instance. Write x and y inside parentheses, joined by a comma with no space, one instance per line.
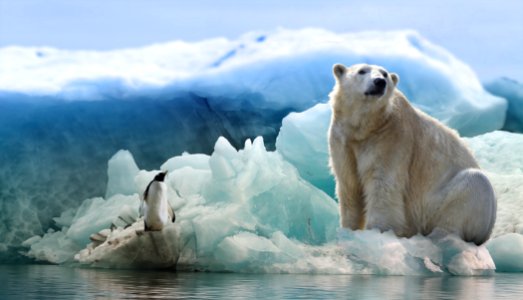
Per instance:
(58,282)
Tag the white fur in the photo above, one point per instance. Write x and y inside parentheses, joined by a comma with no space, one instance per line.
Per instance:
(397,168)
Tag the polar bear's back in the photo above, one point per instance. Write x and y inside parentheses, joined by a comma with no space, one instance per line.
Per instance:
(438,151)
(438,155)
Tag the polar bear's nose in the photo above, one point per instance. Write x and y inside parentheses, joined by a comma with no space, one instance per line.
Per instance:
(380,82)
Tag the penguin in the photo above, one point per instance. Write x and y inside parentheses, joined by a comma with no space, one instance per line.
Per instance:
(155,208)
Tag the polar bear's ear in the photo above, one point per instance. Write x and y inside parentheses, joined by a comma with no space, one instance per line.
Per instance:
(339,71)
(395,78)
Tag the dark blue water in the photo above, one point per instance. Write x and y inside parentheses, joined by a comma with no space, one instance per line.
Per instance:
(55,282)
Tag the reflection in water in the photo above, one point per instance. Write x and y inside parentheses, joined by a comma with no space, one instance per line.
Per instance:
(43,281)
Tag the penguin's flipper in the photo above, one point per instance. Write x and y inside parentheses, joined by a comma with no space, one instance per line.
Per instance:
(141,212)
(170,210)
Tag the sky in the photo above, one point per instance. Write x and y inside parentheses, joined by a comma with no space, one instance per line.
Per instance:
(488,35)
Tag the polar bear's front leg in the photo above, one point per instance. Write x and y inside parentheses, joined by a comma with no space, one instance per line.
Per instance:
(352,213)
(348,185)
(385,207)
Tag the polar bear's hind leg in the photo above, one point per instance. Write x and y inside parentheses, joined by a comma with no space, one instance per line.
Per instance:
(469,207)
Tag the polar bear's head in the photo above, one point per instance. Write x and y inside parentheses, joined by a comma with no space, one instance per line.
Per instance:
(362,96)
(364,81)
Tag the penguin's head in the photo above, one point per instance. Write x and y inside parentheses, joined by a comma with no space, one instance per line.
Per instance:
(160,176)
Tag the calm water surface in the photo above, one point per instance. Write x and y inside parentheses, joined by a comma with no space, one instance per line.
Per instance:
(55,282)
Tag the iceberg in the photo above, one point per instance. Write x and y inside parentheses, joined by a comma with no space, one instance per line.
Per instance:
(242,210)
(231,207)
(132,247)
(513,92)
(64,114)
(70,111)
(281,70)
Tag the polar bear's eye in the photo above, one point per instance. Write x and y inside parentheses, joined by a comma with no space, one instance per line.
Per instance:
(362,72)
(384,73)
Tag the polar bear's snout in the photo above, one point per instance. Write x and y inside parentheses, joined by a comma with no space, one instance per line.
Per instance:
(377,87)
(380,83)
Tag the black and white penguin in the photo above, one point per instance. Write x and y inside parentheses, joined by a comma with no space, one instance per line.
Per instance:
(156,210)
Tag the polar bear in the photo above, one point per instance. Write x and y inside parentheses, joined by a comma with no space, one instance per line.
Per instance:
(397,168)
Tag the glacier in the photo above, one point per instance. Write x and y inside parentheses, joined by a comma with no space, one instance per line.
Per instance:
(241,127)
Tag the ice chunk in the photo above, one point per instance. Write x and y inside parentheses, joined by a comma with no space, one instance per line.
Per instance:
(97,213)
(121,171)
(133,247)
(264,193)
(246,250)
(384,253)
(513,92)
(231,200)
(66,218)
(53,247)
(194,161)
(303,142)
(507,252)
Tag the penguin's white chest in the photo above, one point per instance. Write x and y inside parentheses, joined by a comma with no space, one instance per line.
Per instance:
(155,207)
